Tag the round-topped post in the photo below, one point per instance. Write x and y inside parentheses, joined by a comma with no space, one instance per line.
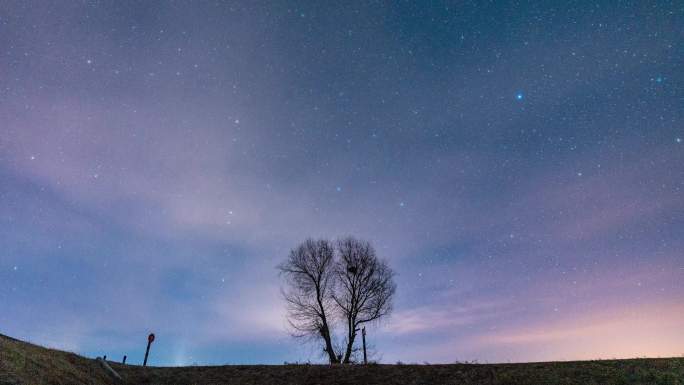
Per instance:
(150,339)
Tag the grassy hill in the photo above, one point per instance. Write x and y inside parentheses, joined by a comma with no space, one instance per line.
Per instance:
(23,363)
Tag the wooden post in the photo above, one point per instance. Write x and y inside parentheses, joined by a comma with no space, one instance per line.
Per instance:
(150,339)
(363,335)
(108,368)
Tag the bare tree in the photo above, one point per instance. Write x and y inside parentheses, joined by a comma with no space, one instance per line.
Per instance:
(309,272)
(365,287)
(346,283)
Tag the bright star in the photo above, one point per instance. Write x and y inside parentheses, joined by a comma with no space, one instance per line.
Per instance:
(519,96)
(678,140)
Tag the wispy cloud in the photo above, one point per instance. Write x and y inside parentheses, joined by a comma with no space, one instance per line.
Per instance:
(599,333)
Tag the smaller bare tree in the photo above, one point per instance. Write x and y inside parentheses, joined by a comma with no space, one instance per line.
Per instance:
(365,287)
(309,271)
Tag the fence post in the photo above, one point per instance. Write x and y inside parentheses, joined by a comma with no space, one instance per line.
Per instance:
(150,339)
(363,335)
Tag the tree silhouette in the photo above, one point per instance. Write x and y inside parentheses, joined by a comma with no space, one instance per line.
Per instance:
(309,273)
(347,282)
(365,287)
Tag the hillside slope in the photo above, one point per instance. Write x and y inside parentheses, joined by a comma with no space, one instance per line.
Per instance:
(23,363)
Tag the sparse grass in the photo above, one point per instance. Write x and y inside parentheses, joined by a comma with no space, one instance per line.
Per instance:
(22,363)
(618,372)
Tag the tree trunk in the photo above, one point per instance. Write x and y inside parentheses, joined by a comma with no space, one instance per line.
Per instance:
(350,343)
(325,333)
(325,330)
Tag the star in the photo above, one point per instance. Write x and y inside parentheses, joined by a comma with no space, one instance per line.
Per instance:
(519,96)
(678,140)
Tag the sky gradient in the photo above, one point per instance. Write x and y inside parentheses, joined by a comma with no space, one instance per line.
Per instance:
(520,166)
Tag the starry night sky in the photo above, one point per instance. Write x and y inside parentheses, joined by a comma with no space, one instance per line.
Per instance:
(521,166)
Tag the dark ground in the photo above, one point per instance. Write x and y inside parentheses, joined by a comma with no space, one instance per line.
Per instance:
(23,363)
